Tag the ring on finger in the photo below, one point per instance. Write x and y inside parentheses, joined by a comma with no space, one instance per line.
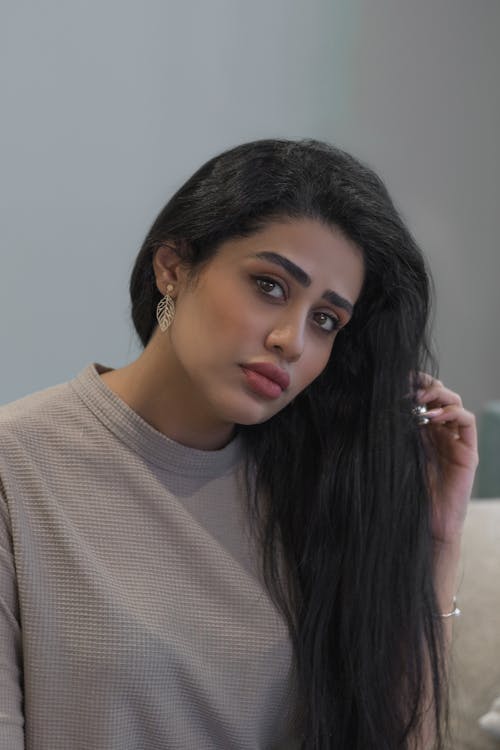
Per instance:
(419,413)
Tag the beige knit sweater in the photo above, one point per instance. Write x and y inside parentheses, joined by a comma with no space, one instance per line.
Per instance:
(132,615)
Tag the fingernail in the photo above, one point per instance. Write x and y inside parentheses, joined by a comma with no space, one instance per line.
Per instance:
(434,412)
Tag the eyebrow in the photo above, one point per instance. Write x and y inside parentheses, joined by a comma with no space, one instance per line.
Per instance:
(304,279)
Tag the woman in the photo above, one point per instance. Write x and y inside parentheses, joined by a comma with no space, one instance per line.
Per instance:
(247,537)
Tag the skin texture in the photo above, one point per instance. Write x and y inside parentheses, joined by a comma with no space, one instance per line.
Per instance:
(188,383)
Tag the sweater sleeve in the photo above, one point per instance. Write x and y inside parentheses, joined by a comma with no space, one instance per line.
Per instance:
(11,693)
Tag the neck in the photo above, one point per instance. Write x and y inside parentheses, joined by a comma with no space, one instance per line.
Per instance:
(157,389)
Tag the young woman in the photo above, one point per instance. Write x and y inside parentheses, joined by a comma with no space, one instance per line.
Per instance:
(248,537)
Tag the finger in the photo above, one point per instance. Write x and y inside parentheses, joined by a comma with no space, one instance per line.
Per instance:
(424,384)
(438,393)
(432,389)
(421,379)
(451,413)
(459,420)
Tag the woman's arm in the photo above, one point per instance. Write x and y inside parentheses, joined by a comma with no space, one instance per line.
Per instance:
(11,698)
(451,442)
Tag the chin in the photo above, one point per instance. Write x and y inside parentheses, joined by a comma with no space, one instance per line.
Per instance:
(249,422)
(257,415)
(245,409)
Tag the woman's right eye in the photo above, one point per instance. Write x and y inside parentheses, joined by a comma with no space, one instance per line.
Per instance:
(263,283)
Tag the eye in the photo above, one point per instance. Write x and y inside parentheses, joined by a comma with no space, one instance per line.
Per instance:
(264,281)
(331,320)
(271,288)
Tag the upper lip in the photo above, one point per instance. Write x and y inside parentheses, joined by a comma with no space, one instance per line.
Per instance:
(272,372)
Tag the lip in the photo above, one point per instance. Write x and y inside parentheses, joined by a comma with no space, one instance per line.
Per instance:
(270,371)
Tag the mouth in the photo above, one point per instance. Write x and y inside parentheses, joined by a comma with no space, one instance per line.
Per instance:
(271,372)
(261,384)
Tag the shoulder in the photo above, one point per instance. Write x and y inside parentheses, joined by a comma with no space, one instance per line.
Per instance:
(34,409)
(29,425)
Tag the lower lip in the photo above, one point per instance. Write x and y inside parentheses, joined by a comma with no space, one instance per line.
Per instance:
(262,385)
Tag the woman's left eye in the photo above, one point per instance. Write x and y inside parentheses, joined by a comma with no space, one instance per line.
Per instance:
(333,323)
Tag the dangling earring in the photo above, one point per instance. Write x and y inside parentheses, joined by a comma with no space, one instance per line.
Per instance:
(165,310)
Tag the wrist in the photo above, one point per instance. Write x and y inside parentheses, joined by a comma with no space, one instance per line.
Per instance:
(454,611)
(446,573)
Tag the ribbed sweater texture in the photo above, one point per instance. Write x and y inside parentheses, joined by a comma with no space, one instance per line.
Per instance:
(132,611)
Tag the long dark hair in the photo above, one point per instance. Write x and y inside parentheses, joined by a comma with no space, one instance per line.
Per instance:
(337,482)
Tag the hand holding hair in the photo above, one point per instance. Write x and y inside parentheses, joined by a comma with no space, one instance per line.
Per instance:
(451,442)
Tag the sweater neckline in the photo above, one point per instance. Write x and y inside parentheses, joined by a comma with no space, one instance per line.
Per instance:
(155,447)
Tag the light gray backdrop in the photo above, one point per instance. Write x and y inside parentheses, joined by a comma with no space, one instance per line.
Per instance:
(109,105)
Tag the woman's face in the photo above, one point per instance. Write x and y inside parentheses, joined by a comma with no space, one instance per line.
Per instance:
(261,299)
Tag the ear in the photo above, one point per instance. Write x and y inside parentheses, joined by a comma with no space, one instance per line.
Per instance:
(168,269)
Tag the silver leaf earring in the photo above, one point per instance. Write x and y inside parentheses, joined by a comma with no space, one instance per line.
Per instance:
(165,310)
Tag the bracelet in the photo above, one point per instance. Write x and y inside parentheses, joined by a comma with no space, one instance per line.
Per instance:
(456,612)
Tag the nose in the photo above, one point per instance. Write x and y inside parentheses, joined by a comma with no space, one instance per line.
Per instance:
(288,336)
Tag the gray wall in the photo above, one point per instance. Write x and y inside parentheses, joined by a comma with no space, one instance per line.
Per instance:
(108,106)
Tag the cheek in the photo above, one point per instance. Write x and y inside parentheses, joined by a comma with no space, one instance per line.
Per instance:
(215,324)
(228,314)
(232,316)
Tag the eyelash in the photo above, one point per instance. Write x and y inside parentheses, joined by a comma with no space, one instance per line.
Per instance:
(335,320)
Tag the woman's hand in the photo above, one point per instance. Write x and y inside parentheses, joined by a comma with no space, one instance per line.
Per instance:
(450,439)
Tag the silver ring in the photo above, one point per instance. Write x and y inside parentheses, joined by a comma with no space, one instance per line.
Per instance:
(419,414)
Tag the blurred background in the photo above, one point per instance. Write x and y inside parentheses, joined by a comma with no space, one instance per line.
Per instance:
(109,106)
